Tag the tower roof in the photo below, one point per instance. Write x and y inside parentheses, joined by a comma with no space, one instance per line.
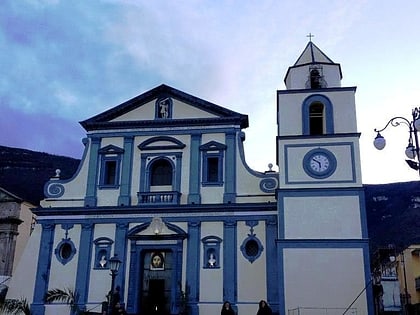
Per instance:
(312,54)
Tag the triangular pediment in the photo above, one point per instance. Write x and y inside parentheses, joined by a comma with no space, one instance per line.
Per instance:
(164,106)
(156,228)
(111,149)
(213,146)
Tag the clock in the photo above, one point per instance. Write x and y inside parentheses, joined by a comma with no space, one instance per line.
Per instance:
(319,163)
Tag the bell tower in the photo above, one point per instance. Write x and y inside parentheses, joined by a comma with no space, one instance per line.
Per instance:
(322,237)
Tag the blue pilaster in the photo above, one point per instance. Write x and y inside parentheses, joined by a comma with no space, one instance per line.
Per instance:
(134,278)
(120,249)
(271,265)
(143,174)
(176,287)
(84,264)
(124,199)
(90,198)
(229,262)
(195,170)
(230,169)
(43,269)
(280,299)
(369,291)
(193,277)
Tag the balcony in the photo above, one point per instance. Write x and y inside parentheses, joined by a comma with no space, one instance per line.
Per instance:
(159,198)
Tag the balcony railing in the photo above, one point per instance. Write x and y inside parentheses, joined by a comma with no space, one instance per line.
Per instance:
(159,198)
(321,311)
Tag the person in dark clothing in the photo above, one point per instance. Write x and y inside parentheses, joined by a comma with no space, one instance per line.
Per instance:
(264,309)
(119,310)
(227,309)
(114,298)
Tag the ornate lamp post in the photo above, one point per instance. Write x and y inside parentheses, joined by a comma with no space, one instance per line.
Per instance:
(412,150)
(114,266)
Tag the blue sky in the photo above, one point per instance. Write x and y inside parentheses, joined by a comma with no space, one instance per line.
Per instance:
(65,61)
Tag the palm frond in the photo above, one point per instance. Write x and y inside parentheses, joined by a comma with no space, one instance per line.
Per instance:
(15,306)
(67,296)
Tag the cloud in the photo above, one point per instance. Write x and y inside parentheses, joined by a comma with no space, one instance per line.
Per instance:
(66,61)
(36,132)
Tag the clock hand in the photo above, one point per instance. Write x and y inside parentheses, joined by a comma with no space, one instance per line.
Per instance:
(315,160)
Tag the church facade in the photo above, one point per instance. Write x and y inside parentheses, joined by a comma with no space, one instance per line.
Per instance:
(163,186)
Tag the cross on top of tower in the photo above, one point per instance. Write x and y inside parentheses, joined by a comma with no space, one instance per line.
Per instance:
(310,36)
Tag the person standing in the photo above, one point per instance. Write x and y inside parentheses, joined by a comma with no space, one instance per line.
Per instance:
(227,309)
(119,310)
(264,309)
(113,298)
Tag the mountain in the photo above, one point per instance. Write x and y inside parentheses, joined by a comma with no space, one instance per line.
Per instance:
(393,210)
(24,172)
(393,214)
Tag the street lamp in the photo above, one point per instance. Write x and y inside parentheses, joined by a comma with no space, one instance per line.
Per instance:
(114,266)
(412,151)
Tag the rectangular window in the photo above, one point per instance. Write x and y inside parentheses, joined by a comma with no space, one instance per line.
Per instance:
(213,169)
(109,176)
(110,172)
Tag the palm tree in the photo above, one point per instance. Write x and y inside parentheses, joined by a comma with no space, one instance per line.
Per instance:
(21,306)
(15,307)
(67,296)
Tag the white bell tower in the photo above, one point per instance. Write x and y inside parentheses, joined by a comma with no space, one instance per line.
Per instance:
(322,239)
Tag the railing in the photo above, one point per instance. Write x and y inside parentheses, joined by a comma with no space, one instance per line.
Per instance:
(159,198)
(321,311)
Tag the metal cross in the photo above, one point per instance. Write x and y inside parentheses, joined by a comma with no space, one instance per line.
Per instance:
(310,36)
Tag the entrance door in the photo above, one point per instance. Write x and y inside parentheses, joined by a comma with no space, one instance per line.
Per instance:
(156,297)
(157,283)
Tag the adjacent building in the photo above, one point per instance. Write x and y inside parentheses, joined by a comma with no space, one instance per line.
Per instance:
(164,185)
(16,223)
(408,269)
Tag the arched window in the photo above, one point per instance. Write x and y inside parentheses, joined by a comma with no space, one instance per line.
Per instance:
(315,79)
(316,118)
(317,115)
(161,173)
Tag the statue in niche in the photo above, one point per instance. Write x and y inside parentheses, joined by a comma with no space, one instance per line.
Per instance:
(164,108)
(212,260)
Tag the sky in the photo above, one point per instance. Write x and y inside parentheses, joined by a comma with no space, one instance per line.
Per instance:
(65,61)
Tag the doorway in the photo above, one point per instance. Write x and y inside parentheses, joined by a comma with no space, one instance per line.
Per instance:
(156,297)
(157,283)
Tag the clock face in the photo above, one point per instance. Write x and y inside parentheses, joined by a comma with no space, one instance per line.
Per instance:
(319,163)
